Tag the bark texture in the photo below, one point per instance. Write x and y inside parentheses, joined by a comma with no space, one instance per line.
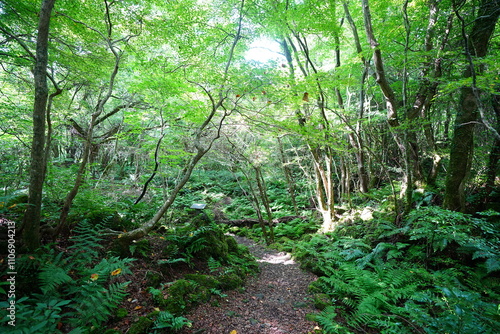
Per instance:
(462,146)
(31,221)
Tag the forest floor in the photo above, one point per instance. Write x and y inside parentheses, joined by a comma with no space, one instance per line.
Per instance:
(273,302)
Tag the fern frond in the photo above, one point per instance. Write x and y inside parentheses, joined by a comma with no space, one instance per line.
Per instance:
(329,324)
(197,245)
(94,303)
(52,276)
(86,243)
(166,319)
(213,264)
(493,264)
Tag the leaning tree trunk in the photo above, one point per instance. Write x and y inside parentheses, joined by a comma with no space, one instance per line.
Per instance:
(125,239)
(31,221)
(462,146)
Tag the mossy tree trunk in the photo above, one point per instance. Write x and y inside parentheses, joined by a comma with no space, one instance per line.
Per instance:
(31,220)
(462,145)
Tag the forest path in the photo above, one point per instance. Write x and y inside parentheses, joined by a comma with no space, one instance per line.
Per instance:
(275,301)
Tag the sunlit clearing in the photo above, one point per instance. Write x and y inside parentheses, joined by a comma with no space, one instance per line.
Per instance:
(264,50)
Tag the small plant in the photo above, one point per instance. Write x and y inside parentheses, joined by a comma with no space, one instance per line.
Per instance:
(166,320)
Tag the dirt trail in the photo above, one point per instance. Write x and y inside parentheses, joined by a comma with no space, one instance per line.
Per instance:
(274,302)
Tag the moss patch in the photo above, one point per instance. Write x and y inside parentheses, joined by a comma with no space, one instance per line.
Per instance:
(230,281)
(185,294)
(207,281)
(141,326)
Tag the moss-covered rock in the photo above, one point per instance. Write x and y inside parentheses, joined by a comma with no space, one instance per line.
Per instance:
(232,245)
(14,204)
(16,199)
(141,326)
(184,294)
(182,287)
(153,279)
(108,218)
(230,281)
(112,331)
(207,281)
(216,245)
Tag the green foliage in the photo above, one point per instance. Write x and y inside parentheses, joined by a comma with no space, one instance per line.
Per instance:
(75,289)
(141,326)
(229,266)
(206,243)
(140,248)
(435,274)
(456,309)
(295,229)
(183,295)
(166,320)
(189,242)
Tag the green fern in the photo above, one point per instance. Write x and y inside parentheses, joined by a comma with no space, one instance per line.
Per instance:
(76,290)
(196,245)
(94,304)
(328,322)
(167,320)
(52,277)
(368,295)
(213,265)
(41,317)
(85,248)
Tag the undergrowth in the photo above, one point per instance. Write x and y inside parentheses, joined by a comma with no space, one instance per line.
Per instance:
(438,272)
(67,291)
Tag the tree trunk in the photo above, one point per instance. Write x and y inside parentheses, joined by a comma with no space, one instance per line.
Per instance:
(31,220)
(322,158)
(356,139)
(491,172)
(89,137)
(390,99)
(78,179)
(462,146)
(288,176)
(265,201)
(322,165)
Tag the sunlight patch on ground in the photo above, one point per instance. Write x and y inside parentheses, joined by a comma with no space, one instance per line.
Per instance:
(280,258)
